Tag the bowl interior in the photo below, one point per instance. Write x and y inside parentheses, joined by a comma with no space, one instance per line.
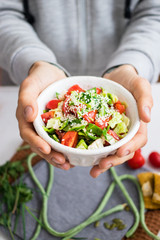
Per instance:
(87,82)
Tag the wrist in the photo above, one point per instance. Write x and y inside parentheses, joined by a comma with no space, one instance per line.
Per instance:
(58,68)
(121,68)
(39,64)
(128,67)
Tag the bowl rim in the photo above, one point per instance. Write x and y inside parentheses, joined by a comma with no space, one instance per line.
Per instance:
(62,148)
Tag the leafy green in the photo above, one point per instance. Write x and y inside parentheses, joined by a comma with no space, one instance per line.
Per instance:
(12,195)
(121,128)
(92,128)
(108,137)
(64,124)
(49,130)
(102,111)
(57,95)
(78,127)
(112,97)
(70,124)
(82,144)
(92,90)
(116,118)
(91,135)
(45,110)
(55,138)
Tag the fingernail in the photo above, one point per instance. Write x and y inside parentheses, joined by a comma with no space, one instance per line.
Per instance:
(28,111)
(54,160)
(40,149)
(147,111)
(107,167)
(59,159)
(127,152)
(64,166)
(98,174)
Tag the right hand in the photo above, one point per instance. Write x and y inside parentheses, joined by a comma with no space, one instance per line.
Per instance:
(40,76)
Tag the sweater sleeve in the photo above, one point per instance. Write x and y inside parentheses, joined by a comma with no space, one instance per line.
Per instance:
(20,46)
(140,43)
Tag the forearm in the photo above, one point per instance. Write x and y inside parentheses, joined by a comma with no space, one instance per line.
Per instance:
(139,45)
(20,46)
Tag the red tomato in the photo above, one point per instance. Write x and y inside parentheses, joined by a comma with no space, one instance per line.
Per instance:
(90,116)
(46,116)
(76,88)
(102,123)
(65,106)
(139,150)
(137,161)
(154,159)
(118,102)
(74,109)
(53,104)
(113,134)
(60,134)
(70,139)
(98,90)
(106,144)
(119,107)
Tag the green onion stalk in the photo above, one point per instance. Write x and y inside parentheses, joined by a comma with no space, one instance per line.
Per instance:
(46,194)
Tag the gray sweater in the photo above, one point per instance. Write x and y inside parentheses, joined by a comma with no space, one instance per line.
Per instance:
(86,37)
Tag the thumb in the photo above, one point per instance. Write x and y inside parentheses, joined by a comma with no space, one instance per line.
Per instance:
(28,99)
(143,94)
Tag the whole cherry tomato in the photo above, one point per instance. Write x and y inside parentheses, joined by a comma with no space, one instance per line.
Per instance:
(137,161)
(154,159)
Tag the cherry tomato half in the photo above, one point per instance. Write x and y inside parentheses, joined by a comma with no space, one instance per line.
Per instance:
(70,139)
(98,90)
(90,116)
(113,134)
(120,107)
(76,88)
(53,104)
(46,116)
(65,109)
(102,123)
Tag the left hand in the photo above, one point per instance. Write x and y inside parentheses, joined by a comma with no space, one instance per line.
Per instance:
(127,76)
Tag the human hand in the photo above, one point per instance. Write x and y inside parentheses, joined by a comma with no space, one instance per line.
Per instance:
(127,76)
(40,76)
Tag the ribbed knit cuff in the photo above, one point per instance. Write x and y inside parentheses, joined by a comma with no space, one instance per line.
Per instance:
(138,60)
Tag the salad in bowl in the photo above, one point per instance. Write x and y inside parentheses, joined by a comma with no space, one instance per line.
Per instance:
(86,118)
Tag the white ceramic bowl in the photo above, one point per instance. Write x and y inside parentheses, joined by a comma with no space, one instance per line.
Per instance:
(87,157)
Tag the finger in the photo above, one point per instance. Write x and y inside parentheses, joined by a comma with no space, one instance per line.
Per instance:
(96,170)
(39,145)
(139,87)
(55,159)
(28,134)
(143,95)
(27,103)
(138,141)
(106,163)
